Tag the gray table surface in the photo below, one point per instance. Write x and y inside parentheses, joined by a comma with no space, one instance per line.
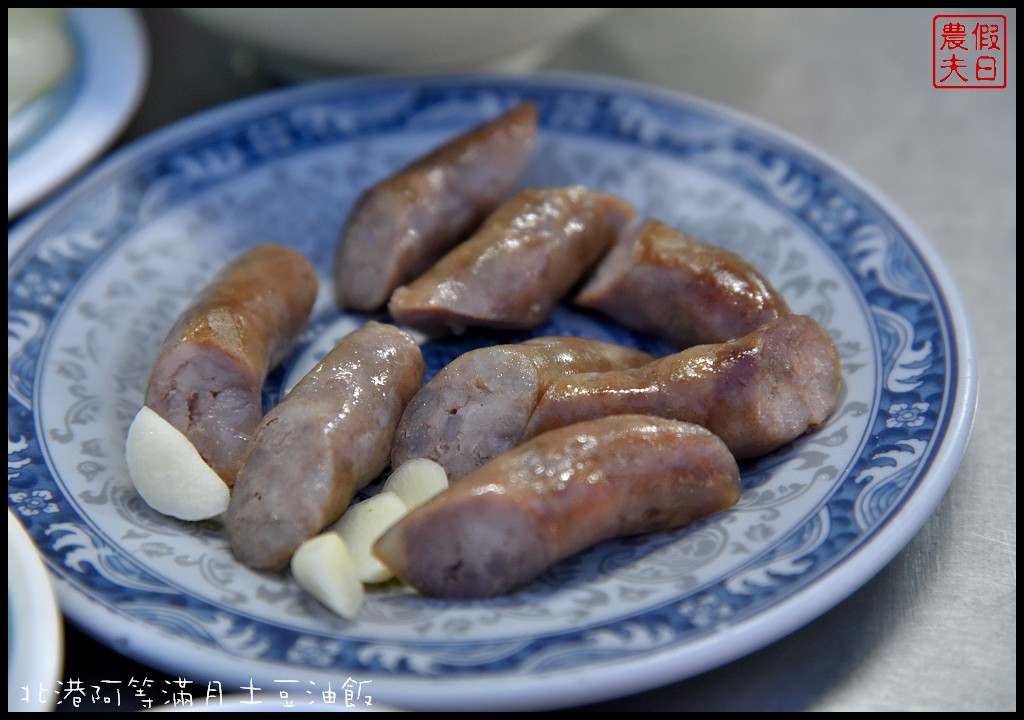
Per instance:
(936,628)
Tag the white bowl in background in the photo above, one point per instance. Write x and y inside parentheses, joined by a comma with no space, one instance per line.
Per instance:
(400,38)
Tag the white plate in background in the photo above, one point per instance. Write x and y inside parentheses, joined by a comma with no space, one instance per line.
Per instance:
(35,635)
(83,115)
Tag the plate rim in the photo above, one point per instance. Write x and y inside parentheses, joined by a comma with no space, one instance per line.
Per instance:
(97,111)
(32,603)
(826,592)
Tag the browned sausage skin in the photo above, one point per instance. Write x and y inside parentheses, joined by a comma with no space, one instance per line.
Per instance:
(662,281)
(562,492)
(757,392)
(326,439)
(514,270)
(208,379)
(478,405)
(399,227)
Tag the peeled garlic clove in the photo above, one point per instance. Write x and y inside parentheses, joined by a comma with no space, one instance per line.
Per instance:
(360,527)
(416,481)
(168,471)
(323,567)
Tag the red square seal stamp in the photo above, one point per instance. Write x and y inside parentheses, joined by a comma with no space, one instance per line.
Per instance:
(969,51)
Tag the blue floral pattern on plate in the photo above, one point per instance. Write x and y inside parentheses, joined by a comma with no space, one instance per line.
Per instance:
(99,276)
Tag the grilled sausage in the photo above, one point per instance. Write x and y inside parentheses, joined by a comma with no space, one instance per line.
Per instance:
(478,405)
(208,379)
(327,438)
(513,271)
(562,492)
(757,392)
(662,281)
(401,226)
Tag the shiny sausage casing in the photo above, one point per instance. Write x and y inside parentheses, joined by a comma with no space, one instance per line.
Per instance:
(757,392)
(208,379)
(566,490)
(662,281)
(478,405)
(402,225)
(517,266)
(326,439)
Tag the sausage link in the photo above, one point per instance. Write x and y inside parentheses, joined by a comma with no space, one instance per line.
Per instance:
(326,439)
(514,270)
(208,379)
(402,225)
(560,493)
(478,405)
(662,281)
(757,392)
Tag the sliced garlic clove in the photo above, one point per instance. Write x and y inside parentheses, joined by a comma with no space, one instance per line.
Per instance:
(324,568)
(360,527)
(416,481)
(168,471)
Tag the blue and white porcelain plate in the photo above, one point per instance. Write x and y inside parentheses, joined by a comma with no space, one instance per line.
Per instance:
(98,277)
